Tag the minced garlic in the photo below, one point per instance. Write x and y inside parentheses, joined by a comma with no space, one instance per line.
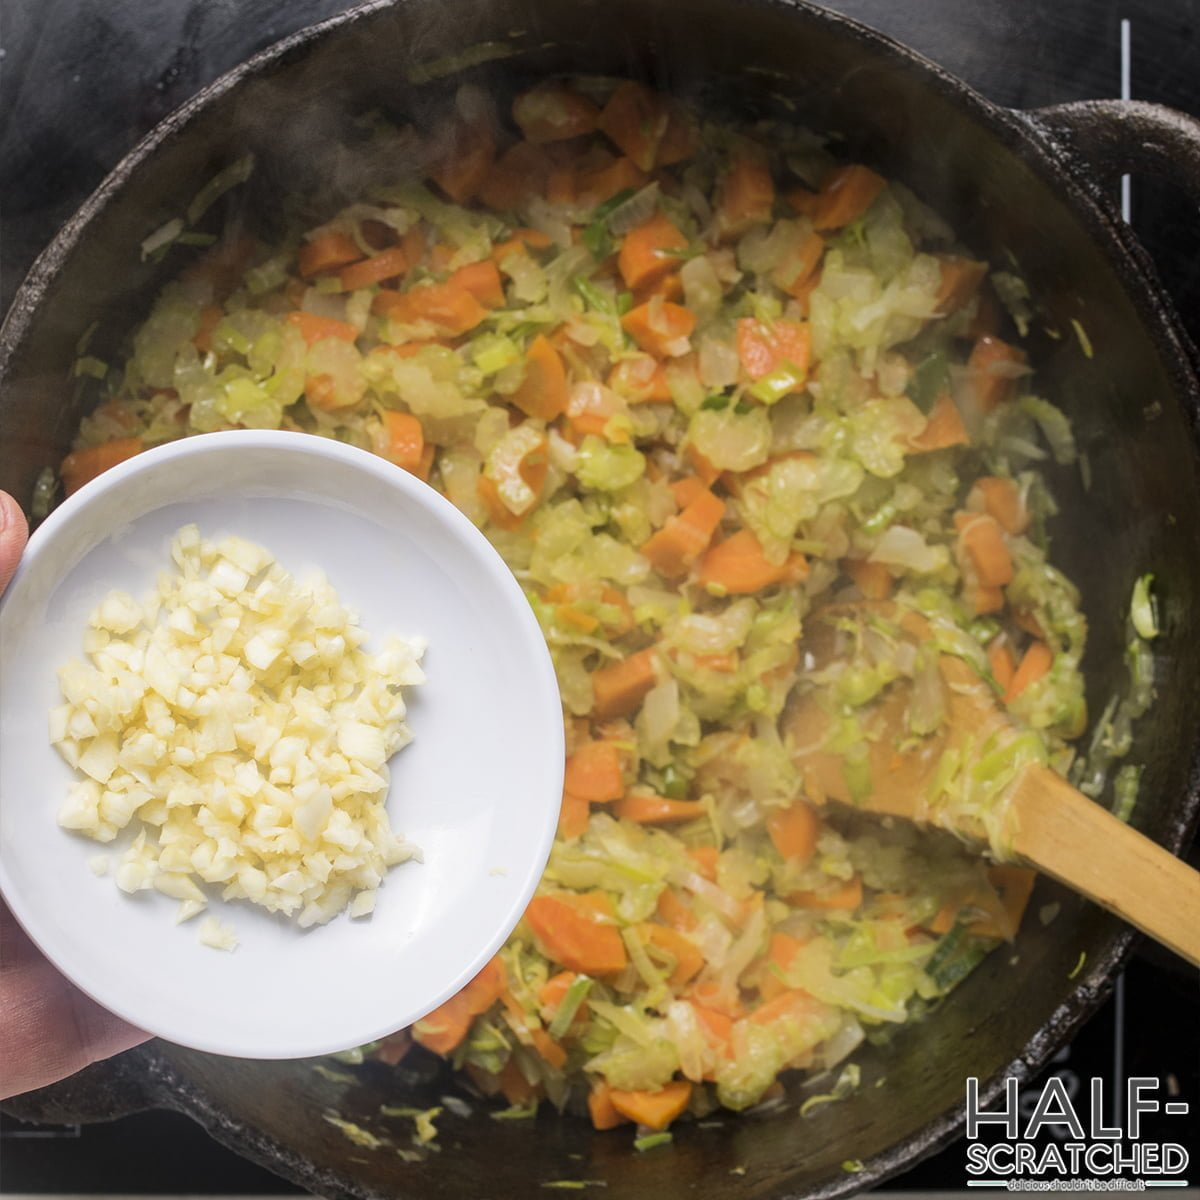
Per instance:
(234,718)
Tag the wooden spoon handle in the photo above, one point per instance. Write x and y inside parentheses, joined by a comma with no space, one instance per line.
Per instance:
(1076,841)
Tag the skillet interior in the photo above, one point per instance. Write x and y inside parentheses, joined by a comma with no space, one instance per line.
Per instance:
(1132,404)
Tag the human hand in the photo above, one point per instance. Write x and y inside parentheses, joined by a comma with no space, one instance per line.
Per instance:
(48,1028)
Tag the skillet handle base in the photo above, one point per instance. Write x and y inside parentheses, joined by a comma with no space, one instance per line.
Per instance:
(1120,137)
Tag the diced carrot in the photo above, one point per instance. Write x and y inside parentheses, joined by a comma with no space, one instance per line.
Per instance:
(1002,663)
(789,1004)
(554,112)
(405,440)
(684,537)
(573,816)
(705,858)
(601,1109)
(210,318)
(782,949)
(569,614)
(548,1050)
(1035,662)
(717,662)
(593,772)
(686,490)
(845,196)
(796,275)
(403,349)
(644,256)
(325,252)
(873,579)
(482,280)
(82,466)
(673,911)
(315,329)
(598,184)
(443,1030)
(984,600)
(982,541)
(660,329)
(738,566)
(802,200)
(321,393)
(960,280)
(1001,499)
(689,959)
(705,471)
(747,195)
(943,429)
(988,316)
(680,138)
(521,242)
(461,171)
(719,997)
(451,309)
(793,831)
(846,895)
(635,119)
(484,990)
(575,938)
(668,287)
(562,185)
(802,292)
(543,391)
(515,1088)
(498,512)
(415,245)
(763,348)
(518,175)
(648,809)
(717,1026)
(552,993)
(388,265)
(440,256)
(597,904)
(993,365)
(655,1110)
(620,687)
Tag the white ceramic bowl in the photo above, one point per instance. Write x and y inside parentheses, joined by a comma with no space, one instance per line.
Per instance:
(478,789)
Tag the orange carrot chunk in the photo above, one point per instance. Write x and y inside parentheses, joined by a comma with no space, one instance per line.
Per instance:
(600,1107)
(210,318)
(994,365)
(738,566)
(1001,499)
(543,391)
(482,280)
(635,119)
(1001,663)
(661,329)
(747,195)
(655,1110)
(388,265)
(763,348)
(1035,662)
(553,112)
(873,579)
(845,196)
(793,831)
(618,689)
(461,171)
(326,251)
(573,816)
(316,329)
(679,543)
(593,772)
(574,937)
(982,541)
(450,308)
(783,948)
(705,858)
(960,280)
(405,440)
(944,427)
(845,895)
(646,808)
(645,252)
(597,184)
(82,466)
(689,959)
(443,1030)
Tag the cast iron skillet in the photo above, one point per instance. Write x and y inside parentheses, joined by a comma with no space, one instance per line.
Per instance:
(1015,187)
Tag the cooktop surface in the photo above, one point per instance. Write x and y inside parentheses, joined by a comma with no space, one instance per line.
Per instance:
(82,80)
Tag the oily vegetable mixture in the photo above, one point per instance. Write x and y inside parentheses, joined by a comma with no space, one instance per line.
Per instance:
(695,382)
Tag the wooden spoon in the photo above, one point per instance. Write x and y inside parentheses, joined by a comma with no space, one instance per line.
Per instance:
(1040,819)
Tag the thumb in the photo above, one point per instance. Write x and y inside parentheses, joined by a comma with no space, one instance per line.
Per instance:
(14,533)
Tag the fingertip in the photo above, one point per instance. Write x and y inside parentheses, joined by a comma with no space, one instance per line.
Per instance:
(14,533)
